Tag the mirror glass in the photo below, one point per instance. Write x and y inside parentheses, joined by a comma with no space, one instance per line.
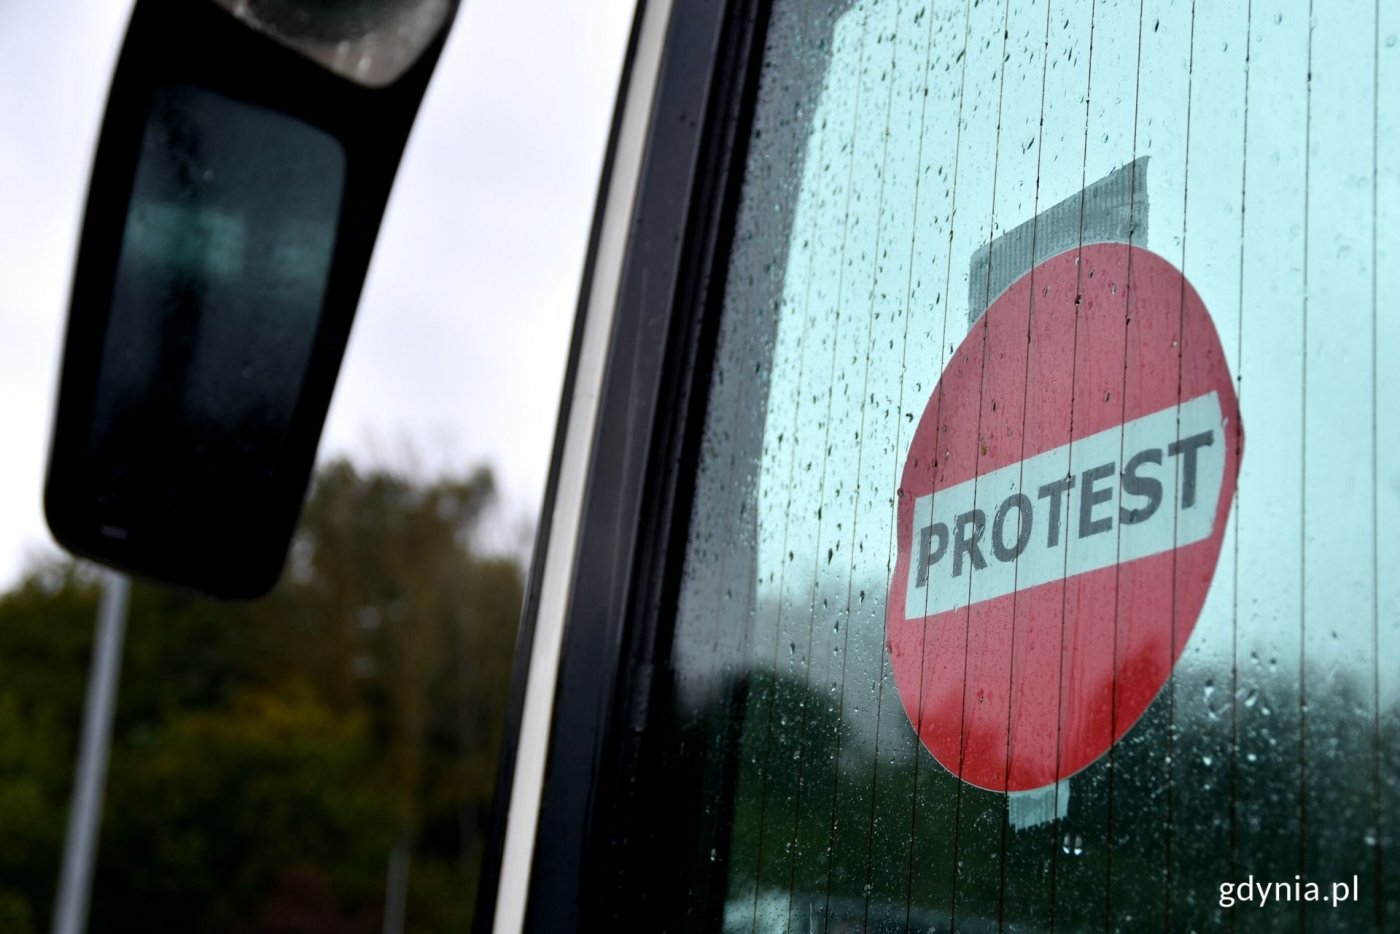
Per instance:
(224,262)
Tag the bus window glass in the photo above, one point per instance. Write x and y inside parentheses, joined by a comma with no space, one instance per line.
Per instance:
(912,166)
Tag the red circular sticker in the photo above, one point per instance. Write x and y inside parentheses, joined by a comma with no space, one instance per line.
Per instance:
(1060,515)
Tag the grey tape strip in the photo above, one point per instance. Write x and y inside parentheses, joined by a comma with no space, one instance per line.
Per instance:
(1026,809)
(1114,211)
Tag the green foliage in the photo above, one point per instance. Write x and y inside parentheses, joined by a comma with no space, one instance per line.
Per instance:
(14,914)
(269,756)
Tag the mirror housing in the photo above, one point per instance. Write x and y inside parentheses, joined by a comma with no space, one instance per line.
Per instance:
(235,198)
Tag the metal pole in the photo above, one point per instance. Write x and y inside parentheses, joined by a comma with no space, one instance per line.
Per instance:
(396,888)
(85,814)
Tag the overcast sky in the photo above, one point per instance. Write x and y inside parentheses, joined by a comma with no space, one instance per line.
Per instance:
(458,349)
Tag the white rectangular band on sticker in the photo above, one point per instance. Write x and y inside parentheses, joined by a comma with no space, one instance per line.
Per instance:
(1070,510)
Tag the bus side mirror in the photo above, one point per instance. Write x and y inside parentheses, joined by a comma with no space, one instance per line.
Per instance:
(240,177)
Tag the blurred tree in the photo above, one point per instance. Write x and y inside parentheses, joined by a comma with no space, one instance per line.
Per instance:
(45,638)
(269,756)
(424,643)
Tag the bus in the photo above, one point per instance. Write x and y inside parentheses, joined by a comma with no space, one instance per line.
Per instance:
(973,498)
